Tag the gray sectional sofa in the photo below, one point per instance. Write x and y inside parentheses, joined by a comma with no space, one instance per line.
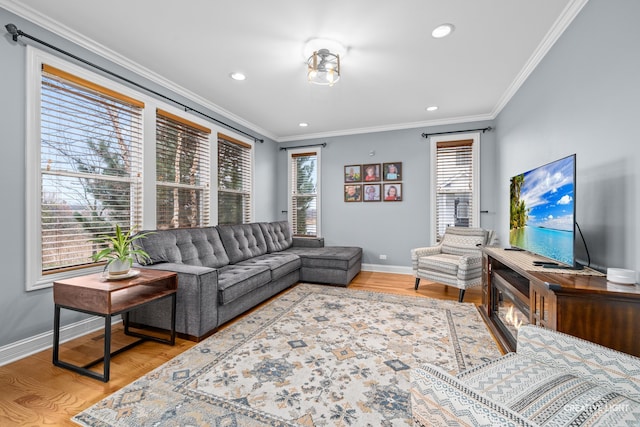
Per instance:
(225,270)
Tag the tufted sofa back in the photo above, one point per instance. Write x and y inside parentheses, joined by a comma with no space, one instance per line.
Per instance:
(215,247)
(193,246)
(242,241)
(277,235)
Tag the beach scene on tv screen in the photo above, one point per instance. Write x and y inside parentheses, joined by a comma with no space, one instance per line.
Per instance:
(542,209)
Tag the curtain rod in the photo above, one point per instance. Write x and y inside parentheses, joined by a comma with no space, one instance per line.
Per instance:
(15,32)
(427,135)
(324,144)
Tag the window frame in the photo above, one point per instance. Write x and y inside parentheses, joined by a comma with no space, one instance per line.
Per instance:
(475,195)
(232,138)
(291,153)
(34,277)
(205,155)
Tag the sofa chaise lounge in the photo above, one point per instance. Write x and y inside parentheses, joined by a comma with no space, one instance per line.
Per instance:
(225,270)
(553,379)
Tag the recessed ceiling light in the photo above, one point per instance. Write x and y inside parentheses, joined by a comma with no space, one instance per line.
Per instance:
(237,76)
(432,108)
(303,124)
(443,31)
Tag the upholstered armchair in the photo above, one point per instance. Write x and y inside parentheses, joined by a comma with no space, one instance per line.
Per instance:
(455,261)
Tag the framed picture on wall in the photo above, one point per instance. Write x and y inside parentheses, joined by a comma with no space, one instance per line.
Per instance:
(371,192)
(352,173)
(393,192)
(371,172)
(353,193)
(392,171)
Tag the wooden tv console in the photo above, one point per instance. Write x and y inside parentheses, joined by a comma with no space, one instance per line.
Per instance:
(580,303)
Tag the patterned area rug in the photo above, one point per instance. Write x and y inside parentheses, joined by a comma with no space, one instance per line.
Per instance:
(315,356)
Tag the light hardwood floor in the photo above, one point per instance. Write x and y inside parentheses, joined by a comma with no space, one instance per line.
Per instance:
(33,392)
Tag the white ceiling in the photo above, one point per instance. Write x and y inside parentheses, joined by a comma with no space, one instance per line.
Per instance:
(392,71)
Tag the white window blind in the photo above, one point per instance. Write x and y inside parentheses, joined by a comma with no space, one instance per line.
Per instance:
(90,167)
(234,181)
(304,193)
(454,185)
(182,172)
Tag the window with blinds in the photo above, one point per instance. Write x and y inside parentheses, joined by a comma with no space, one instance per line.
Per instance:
(182,172)
(90,167)
(454,185)
(234,181)
(303,185)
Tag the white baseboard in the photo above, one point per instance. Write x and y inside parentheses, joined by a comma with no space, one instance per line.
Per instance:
(26,347)
(380,268)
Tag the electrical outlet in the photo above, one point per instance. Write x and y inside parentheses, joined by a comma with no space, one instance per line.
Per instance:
(383,257)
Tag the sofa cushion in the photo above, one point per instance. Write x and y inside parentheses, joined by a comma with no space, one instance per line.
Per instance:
(242,241)
(463,240)
(192,246)
(280,263)
(550,396)
(443,263)
(235,281)
(334,257)
(308,242)
(277,235)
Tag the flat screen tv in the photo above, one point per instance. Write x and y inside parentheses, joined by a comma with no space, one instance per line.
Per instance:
(543,211)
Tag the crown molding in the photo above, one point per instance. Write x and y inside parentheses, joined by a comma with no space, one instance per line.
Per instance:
(65,32)
(559,26)
(387,128)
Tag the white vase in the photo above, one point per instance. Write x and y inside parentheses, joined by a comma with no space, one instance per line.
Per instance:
(119,267)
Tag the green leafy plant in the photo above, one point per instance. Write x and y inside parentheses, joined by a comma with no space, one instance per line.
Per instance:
(121,247)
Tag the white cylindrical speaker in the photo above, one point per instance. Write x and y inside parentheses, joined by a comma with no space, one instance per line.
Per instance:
(621,275)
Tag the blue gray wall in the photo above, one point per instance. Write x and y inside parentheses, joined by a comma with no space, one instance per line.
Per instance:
(583,98)
(26,314)
(384,228)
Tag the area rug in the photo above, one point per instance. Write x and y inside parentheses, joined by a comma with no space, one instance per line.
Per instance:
(315,356)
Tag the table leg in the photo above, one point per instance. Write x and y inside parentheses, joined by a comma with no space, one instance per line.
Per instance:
(107,347)
(106,359)
(80,369)
(125,322)
(56,334)
(173,319)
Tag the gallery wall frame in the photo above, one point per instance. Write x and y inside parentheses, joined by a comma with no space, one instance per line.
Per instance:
(353,173)
(392,192)
(371,172)
(353,192)
(373,182)
(392,171)
(372,192)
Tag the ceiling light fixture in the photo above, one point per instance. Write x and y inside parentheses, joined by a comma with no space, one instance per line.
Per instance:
(323,58)
(237,76)
(323,68)
(303,124)
(443,31)
(432,108)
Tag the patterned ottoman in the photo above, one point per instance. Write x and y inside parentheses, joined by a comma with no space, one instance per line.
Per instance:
(552,380)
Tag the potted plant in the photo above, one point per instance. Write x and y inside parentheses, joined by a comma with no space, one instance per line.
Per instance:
(120,253)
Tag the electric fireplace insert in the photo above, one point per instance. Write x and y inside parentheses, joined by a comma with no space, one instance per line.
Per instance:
(510,303)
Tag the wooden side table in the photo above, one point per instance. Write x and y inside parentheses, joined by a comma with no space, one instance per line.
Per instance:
(95,295)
